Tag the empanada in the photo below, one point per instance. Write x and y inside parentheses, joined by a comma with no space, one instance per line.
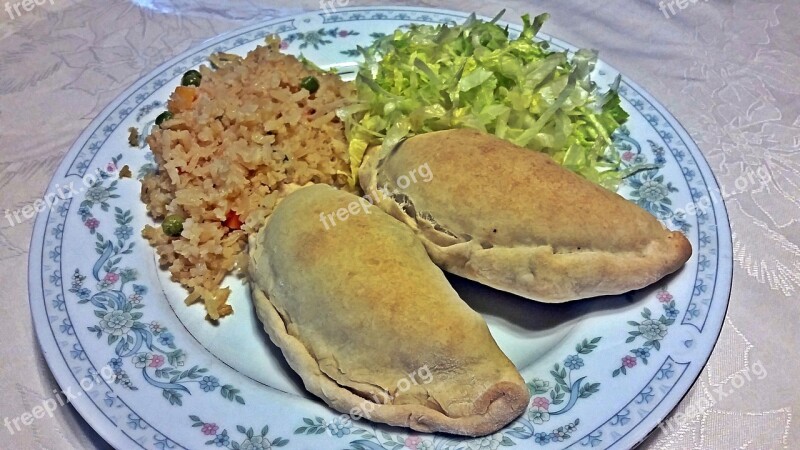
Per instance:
(513,219)
(371,325)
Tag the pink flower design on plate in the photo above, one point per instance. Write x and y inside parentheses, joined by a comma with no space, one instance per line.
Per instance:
(155,327)
(284,45)
(412,442)
(664,296)
(111,167)
(111,277)
(627,156)
(541,402)
(157,361)
(92,223)
(629,361)
(209,429)
(343,33)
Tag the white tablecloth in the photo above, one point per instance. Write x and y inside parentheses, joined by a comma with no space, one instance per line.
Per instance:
(727,70)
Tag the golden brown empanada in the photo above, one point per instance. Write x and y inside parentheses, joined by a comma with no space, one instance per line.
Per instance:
(514,220)
(371,325)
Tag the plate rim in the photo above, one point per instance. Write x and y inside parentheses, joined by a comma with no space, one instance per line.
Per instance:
(89,411)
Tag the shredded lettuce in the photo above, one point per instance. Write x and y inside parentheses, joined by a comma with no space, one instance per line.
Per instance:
(427,78)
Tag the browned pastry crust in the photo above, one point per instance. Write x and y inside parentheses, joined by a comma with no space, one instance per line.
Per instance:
(514,220)
(359,307)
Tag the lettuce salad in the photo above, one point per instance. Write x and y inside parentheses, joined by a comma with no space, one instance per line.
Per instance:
(427,78)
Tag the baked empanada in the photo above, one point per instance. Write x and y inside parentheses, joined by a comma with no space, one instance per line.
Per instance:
(513,219)
(371,325)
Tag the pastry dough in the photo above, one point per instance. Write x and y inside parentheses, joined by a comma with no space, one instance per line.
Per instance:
(514,220)
(371,325)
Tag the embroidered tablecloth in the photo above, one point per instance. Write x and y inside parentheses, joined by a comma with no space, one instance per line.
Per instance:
(729,71)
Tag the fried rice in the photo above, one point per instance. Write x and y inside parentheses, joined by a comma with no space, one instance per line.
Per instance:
(226,154)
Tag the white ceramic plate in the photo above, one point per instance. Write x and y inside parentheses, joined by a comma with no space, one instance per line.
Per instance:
(151,373)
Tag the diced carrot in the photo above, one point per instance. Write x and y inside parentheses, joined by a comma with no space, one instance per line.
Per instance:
(233,221)
(182,98)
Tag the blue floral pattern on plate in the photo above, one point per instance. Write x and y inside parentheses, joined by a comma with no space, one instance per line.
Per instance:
(101,318)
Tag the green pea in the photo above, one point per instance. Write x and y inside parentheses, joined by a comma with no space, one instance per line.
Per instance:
(172,225)
(191,78)
(311,84)
(163,117)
